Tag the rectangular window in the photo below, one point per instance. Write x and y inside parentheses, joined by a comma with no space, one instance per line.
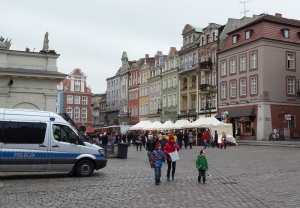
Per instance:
(151,89)
(77,86)
(76,113)
(214,78)
(193,103)
(292,122)
(253,60)
(174,99)
(83,113)
(69,112)
(223,88)
(164,101)
(232,89)
(232,66)
(195,58)
(234,39)
(243,63)
(165,84)
(253,81)
(24,132)
(84,100)
(247,34)
(243,87)
(77,100)
(169,82)
(175,81)
(286,33)
(169,100)
(291,86)
(223,68)
(69,99)
(290,61)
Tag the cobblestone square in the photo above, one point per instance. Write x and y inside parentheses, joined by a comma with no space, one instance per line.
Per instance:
(242,176)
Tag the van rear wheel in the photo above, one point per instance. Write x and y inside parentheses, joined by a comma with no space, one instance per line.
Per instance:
(84,168)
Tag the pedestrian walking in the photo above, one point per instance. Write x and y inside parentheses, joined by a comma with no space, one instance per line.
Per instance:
(216,138)
(191,139)
(179,138)
(202,166)
(186,138)
(112,139)
(156,161)
(170,147)
(206,138)
(150,146)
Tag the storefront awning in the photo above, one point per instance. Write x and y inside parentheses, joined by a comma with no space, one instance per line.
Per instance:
(238,112)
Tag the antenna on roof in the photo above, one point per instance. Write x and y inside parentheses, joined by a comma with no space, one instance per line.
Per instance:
(245,11)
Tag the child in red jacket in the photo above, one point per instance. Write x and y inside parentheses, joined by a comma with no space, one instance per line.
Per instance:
(170,147)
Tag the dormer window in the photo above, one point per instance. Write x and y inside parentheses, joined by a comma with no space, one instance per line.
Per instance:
(286,33)
(234,39)
(248,34)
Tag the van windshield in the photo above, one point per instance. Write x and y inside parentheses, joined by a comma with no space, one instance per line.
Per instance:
(82,137)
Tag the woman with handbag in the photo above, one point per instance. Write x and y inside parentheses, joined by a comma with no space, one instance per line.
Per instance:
(171,147)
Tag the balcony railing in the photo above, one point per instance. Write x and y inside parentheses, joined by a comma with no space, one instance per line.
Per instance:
(206,65)
(206,88)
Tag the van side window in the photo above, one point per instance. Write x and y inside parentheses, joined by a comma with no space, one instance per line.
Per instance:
(24,132)
(64,133)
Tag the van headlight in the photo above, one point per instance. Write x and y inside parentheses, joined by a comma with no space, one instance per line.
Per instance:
(101,151)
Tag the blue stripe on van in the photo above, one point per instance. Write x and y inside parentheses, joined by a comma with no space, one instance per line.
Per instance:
(41,155)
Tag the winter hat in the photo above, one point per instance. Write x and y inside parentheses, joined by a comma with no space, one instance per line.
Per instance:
(171,137)
(201,152)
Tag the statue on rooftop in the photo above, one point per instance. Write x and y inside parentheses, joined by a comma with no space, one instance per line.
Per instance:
(46,42)
(5,44)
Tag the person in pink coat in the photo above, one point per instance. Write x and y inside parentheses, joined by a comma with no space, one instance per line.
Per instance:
(170,147)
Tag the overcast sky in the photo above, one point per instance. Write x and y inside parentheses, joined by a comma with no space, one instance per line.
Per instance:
(92,34)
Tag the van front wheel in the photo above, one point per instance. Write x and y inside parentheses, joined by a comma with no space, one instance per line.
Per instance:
(84,168)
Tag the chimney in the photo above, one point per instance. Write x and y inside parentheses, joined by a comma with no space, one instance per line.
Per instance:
(146,55)
(278,15)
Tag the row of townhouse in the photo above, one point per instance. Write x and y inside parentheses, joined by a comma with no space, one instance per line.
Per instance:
(246,67)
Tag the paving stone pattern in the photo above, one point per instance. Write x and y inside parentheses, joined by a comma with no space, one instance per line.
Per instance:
(242,176)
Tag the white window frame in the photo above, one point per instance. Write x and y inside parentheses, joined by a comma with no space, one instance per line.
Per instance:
(84,100)
(253,60)
(243,63)
(69,99)
(247,34)
(234,39)
(169,82)
(233,89)
(175,81)
(76,113)
(169,100)
(223,88)
(286,33)
(77,100)
(164,101)
(232,66)
(223,68)
(70,112)
(253,84)
(165,84)
(83,113)
(291,61)
(243,87)
(291,86)
(174,99)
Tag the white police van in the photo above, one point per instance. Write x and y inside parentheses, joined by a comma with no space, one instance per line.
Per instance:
(27,143)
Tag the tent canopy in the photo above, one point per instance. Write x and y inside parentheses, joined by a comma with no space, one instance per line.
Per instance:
(166,126)
(153,126)
(140,125)
(179,124)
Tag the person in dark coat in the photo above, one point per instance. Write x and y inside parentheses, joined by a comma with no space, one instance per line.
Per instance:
(124,137)
(216,139)
(104,139)
(179,138)
(163,142)
(129,137)
(186,138)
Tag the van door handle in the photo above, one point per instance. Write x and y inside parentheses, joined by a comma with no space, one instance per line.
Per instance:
(55,146)
(41,145)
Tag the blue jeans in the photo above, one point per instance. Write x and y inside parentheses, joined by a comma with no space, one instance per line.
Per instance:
(206,144)
(157,171)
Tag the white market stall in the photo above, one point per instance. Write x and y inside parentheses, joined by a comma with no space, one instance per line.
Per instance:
(166,126)
(153,126)
(179,124)
(214,124)
(140,125)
